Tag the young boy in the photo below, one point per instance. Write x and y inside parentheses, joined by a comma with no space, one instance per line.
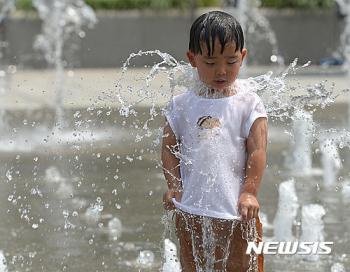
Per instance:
(214,153)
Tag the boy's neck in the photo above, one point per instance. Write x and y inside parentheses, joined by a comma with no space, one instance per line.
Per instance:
(213,93)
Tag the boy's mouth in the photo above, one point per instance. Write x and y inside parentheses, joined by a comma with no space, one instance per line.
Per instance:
(220,81)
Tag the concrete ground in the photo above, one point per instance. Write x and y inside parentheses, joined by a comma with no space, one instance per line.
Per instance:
(35,89)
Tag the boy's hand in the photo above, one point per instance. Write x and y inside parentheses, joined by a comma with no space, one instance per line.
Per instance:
(248,206)
(168,198)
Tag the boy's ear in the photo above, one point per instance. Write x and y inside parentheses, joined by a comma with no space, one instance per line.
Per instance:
(244,53)
(190,57)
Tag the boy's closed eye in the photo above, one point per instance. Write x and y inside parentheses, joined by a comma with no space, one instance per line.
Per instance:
(212,63)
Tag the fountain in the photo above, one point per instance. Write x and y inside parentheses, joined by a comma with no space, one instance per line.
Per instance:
(312,227)
(299,156)
(331,161)
(171,263)
(5,71)
(338,267)
(61,20)
(344,48)
(256,27)
(105,176)
(346,191)
(5,6)
(145,258)
(117,177)
(115,227)
(287,211)
(3,262)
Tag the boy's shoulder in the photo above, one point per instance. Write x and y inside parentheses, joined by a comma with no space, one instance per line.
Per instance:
(247,94)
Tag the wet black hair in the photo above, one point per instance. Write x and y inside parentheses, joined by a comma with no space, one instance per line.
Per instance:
(215,24)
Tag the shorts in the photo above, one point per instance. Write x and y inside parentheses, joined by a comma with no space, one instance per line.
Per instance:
(213,244)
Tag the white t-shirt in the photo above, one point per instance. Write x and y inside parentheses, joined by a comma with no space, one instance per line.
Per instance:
(212,134)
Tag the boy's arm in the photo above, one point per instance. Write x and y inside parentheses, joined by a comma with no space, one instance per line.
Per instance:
(171,167)
(248,205)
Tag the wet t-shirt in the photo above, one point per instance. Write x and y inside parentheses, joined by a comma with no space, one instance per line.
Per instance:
(212,135)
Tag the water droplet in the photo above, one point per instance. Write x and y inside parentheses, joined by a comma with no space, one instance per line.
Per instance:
(145,258)
(318,187)
(65,213)
(82,34)
(273,58)
(8,175)
(70,73)
(35,226)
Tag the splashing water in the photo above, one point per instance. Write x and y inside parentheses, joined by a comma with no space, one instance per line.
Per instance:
(145,258)
(115,228)
(137,128)
(5,6)
(287,211)
(331,161)
(344,48)
(338,267)
(283,103)
(171,263)
(312,227)
(61,21)
(299,159)
(257,29)
(6,71)
(3,262)
(280,99)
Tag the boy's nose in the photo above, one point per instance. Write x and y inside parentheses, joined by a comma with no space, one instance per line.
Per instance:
(220,70)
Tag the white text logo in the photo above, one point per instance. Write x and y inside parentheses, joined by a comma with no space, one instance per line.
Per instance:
(290,248)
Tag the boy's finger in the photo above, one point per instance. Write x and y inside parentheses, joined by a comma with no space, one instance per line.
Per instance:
(250,214)
(168,206)
(244,212)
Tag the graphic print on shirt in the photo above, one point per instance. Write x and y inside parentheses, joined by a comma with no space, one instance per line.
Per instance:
(208,127)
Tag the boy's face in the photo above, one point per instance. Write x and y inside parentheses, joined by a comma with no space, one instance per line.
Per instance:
(218,70)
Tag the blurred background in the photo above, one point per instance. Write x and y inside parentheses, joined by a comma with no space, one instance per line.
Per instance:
(308,30)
